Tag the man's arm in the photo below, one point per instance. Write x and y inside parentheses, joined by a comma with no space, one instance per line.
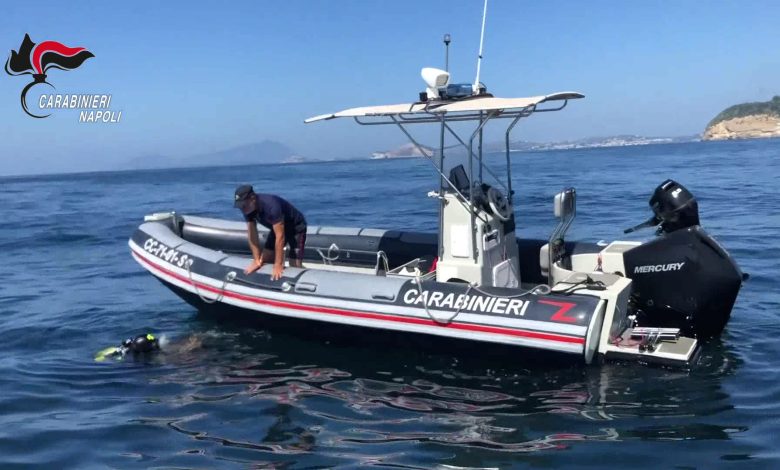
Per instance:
(278,229)
(254,246)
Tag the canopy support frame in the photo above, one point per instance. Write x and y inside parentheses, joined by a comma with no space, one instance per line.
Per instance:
(401,119)
(422,150)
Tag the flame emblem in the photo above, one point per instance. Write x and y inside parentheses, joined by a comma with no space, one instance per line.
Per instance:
(37,59)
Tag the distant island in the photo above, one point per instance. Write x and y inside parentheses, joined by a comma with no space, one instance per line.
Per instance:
(405,151)
(410,151)
(265,152)
(746,121)
(598,142)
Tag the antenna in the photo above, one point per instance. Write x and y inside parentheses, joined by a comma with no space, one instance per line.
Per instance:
(475,87)
(447,41)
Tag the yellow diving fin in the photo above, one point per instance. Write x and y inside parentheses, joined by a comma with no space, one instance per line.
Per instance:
(104,353)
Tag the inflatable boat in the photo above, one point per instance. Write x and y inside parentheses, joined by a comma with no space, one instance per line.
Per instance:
(473,281)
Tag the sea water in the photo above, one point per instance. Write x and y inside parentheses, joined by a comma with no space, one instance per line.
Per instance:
(230,395)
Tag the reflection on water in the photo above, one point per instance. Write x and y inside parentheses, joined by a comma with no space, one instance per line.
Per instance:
(227,395)
(341,406)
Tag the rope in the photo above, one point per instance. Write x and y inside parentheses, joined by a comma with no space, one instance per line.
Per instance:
(228,277)
(381,256)
(449,320)
(587,283)
(541,289)
(328,259)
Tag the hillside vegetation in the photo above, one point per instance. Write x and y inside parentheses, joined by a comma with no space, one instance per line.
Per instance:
(771,107)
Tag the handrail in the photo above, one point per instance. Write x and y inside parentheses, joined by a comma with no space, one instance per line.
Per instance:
(483,116)
(434,118)
(477,131)
(506,148)
(561,229)
(438,170)
(457,137)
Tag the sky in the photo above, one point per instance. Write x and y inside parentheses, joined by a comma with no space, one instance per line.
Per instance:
(198,77)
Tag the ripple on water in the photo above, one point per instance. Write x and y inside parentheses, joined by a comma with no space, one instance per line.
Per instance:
(226,395)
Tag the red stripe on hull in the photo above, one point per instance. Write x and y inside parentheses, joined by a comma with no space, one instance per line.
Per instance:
(370,315)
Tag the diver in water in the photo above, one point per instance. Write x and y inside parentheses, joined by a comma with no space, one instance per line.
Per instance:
(148,345)
(141,345)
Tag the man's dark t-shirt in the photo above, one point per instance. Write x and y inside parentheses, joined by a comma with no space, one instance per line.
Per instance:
(272,209)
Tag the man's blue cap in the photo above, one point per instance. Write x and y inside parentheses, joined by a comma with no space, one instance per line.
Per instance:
(242,194)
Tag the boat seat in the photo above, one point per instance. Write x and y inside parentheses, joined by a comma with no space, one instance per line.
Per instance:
(460,180)
(571,249)
(578,277)
(411,268)
(345,246)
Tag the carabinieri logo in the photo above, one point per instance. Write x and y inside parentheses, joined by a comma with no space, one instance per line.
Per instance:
(37,59)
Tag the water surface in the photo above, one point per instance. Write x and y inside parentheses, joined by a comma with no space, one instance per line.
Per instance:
(236,396)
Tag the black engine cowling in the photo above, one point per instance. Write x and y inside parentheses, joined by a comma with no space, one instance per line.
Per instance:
(683,278)
(674,207)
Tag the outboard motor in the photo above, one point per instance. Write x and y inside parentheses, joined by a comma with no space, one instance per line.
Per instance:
(674,207)
(683,278)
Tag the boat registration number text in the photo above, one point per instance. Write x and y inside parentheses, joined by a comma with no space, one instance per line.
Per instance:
(165,252)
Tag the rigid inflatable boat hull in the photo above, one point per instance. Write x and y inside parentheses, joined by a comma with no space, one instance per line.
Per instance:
(566,324)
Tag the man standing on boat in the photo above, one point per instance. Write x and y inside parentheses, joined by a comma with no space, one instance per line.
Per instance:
(286,224)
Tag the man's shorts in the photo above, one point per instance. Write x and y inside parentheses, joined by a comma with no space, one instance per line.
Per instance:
(295,240)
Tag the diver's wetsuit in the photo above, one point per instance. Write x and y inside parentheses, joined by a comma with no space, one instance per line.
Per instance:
(141,344)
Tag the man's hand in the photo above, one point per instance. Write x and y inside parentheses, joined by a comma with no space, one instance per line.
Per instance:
(277,274)
(256,264)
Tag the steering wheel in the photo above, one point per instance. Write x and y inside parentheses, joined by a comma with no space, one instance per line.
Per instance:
(498,204)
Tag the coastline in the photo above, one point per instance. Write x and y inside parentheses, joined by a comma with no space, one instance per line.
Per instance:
(757,126)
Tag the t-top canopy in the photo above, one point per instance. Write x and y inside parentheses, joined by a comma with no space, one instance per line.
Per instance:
(476,104)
